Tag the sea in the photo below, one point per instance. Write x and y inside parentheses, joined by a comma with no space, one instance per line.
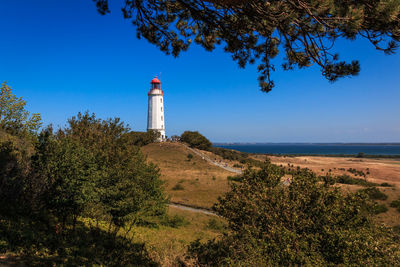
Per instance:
(315,148)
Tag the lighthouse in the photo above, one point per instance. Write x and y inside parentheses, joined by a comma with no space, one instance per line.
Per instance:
(155,114)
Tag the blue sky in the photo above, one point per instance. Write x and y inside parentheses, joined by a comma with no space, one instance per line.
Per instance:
(63,57)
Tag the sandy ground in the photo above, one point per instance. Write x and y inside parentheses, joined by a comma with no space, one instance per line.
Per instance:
(380,170)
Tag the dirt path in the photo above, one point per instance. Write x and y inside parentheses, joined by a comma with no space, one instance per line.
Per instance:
(193,209)
(212,161)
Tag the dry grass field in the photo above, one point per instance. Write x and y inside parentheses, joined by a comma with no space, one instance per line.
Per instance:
(192,181)
(380,171)
(196,182)
(167,244)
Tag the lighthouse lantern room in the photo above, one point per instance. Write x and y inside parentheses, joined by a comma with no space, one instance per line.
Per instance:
(155,115)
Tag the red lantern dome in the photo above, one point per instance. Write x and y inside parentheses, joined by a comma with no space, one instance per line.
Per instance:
(155,80)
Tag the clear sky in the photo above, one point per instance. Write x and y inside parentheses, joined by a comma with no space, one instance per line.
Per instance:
(63,57)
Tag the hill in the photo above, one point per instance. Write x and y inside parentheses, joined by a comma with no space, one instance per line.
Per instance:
(189,180)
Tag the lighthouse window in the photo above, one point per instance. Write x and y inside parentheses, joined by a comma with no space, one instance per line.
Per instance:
(161,108)
(162,118)
(161,100)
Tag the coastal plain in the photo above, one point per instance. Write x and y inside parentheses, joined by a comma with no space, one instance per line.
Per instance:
(193,181)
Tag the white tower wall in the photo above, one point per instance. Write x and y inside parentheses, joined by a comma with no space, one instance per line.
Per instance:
(155,116)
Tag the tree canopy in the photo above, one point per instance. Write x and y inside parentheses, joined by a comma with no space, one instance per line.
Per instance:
(255,31)
(196,140)
(306,222)
(14,118)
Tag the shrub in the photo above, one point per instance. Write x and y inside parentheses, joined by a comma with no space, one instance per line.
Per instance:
(396,204)
(143,138)
(177,187)
(345,179)
(386,185)
(303,223)
(378,208)
(374,193)
(189,157)
(216,225)
(175,221)
(234,178)
(196,140)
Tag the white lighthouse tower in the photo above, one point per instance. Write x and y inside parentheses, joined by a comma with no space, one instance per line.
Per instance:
(155,115)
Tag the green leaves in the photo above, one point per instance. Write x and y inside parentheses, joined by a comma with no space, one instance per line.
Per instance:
(256,30)
(304,222)
(13,116)
(196,140)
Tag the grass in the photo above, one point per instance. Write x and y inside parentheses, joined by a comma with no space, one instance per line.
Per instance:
(34,243)
(167,245)
(204,182)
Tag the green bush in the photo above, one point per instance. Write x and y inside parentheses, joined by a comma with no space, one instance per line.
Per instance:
(175,221)
(386,185)
(374,193)
(242,157)
(396,204)
(345,179)
(303,223)
(216,225)
(142,138)
(196,140)
(378,208)
(234,178)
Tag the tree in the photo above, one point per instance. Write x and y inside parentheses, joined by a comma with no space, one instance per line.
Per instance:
(304,223)
(143,138)
(68,175)
(255,30)
(129,188)
(13,116)
(196,140)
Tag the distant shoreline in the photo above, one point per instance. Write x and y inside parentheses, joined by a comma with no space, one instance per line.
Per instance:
(339,144)
(364,150)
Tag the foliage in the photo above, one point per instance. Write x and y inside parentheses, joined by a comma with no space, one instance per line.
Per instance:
(255,30)
(177,187)
(13,116)
(386,185)
(196,140)
(143,138)
(235,178)
(378,208)
(356,172)
(395,204)
(69,174)
(41,244)
(175,221)
(127,185)
(216,225)
(90,169)
(189,156)
(346,179)
(14,166)
(231,154)
(374,193)
(302,223)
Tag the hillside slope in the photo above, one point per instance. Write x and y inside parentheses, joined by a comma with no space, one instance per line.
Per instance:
(194,181)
